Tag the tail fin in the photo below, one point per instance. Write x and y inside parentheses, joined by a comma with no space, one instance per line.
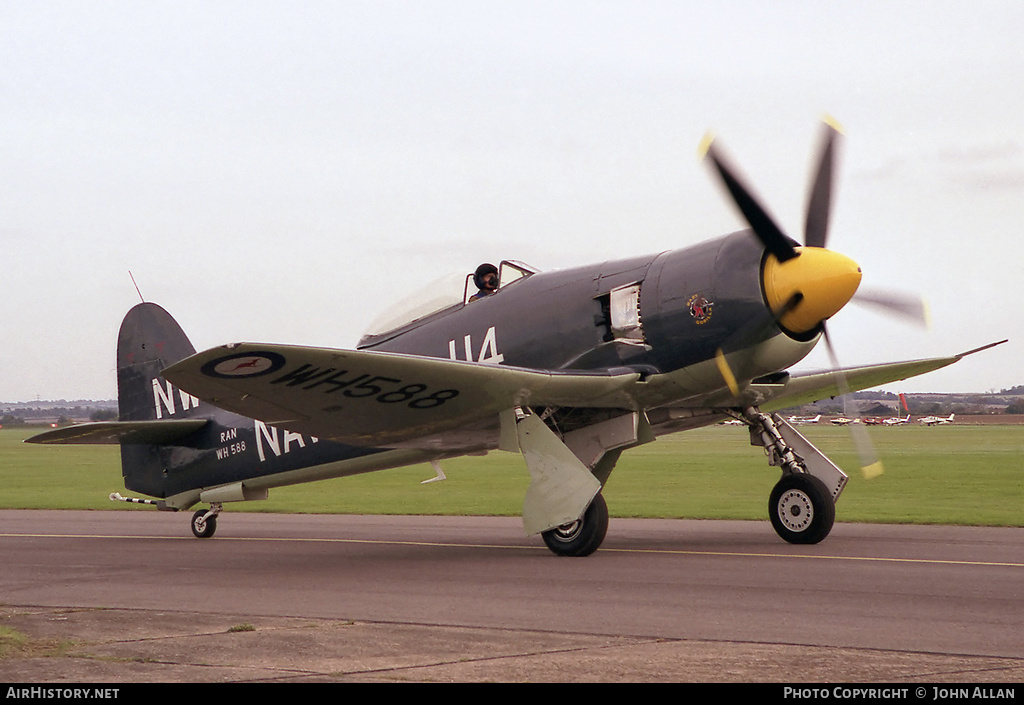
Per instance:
(150,340)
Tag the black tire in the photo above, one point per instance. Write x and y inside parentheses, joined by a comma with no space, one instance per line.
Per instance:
(801,509)
(203,528)
(582,537)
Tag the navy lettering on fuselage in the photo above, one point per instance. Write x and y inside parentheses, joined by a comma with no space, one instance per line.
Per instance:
(269,438)
(163,399)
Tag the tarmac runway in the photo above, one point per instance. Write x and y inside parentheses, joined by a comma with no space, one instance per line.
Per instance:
(130,596)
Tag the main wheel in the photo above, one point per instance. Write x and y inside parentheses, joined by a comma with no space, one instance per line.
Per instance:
(801,508)
(203,526)
(583,536)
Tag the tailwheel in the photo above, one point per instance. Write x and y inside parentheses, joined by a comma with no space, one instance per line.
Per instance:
(583,536)
(204,524)
(801,508)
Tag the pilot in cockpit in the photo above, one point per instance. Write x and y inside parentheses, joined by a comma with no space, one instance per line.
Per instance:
(486,279)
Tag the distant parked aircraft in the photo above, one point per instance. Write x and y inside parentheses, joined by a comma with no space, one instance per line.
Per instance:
(936,420)
(897,420)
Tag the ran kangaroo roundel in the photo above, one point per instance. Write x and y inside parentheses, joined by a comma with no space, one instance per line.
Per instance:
(244,365)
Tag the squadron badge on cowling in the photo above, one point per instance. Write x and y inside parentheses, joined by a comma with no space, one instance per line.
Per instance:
(700,309)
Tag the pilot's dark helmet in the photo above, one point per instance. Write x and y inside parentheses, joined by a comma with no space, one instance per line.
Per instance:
(482,271)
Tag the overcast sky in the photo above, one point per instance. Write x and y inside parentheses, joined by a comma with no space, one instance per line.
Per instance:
(282,171)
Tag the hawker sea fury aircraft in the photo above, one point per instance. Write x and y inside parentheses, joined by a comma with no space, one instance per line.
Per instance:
(569,368)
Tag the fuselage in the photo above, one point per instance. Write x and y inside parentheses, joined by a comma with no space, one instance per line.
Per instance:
(666,314)
(690,302)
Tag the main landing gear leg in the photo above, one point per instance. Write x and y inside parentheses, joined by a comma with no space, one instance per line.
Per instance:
(563,502)
(204,523)
(802,505)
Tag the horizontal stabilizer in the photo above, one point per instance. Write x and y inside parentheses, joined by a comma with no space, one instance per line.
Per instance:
(121,432)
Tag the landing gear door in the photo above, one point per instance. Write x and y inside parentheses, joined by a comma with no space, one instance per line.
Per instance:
(624,312)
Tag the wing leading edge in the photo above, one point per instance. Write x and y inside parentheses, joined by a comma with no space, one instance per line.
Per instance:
(806,388)
(376,398)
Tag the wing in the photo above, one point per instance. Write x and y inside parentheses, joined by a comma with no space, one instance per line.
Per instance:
(794,390)
(375,398)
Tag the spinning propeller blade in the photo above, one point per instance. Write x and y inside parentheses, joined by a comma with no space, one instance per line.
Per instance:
(905,306)
(820,198)
(804,286)
(764,227)
(742,345)
(870,465)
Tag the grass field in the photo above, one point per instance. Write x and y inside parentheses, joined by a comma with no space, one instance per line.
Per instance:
(972,475)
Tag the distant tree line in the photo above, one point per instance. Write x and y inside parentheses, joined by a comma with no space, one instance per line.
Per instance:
(883,403)
(62,415)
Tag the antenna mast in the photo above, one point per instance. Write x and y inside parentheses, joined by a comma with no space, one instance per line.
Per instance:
(136,286)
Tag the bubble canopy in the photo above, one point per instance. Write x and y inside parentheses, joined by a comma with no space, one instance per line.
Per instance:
(442,293)
(448,291)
